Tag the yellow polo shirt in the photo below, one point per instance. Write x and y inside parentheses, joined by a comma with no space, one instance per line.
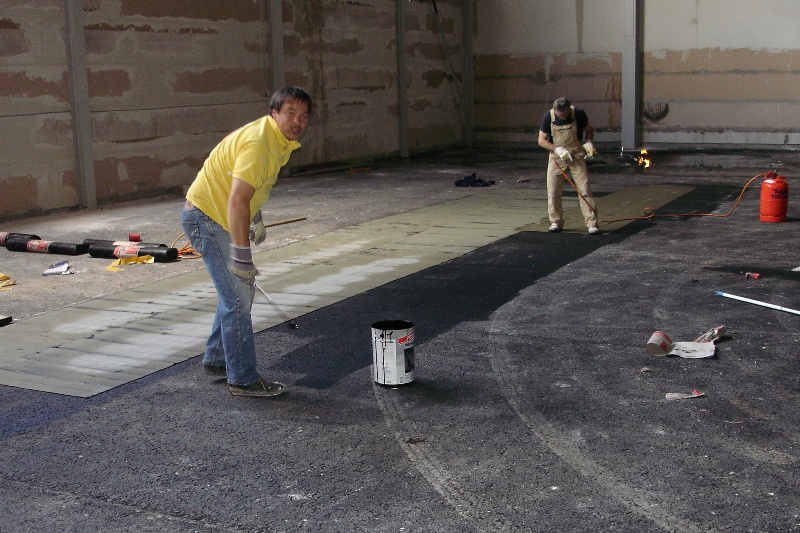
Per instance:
(254,154)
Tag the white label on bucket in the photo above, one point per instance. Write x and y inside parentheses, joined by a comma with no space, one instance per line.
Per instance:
(393,358)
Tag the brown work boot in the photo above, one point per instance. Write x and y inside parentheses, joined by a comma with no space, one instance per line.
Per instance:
(259,389)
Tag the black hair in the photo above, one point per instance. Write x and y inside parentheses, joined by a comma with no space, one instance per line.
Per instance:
(561,104)
(281,96)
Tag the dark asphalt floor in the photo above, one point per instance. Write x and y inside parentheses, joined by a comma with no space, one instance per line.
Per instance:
(535,405)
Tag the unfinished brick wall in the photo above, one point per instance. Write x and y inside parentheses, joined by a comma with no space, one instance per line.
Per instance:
(168,79)
(715,72)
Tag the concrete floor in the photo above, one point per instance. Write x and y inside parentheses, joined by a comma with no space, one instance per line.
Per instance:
(534,408)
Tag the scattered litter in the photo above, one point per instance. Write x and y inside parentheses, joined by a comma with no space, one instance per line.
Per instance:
(471,181)
(703,346)
(754,275)
(645,369)
(143,259)
(134,237)
(6,282)
(684,395)
(711,335)
(523,180)
(59,269)
(757,302)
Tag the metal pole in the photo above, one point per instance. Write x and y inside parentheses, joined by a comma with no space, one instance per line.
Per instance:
(79,103)
(631,135)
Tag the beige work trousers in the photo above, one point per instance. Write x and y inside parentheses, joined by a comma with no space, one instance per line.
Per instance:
(555,187)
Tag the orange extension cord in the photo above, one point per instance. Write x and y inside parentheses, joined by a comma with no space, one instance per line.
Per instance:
(186,251)
(650,213)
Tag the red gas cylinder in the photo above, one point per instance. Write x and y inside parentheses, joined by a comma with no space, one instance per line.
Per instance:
(774,198)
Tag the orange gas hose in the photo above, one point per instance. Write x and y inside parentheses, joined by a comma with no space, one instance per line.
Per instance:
(650,213)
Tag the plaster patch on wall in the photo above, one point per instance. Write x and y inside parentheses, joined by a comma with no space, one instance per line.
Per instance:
(435,78)
(219,80)
(8,24)
(55,132)
(122,171)
(147,28)
(24,85)
(240,10)
(343,46)
(25,197)
(420,105)
(108,82)
(365,79)
(142,175)
(12,42)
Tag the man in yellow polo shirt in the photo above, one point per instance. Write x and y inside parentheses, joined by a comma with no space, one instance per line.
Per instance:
(223,214)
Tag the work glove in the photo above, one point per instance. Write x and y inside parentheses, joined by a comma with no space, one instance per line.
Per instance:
(590,150)
(563,154)
(258,233)
(241,264)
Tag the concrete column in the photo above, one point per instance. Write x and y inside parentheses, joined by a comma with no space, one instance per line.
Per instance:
(402,81)
(277,61)
(632,74)
(468,17)
(79,103)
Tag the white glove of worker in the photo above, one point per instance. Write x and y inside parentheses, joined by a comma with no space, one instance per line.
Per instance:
(563,154)
(241,264)
(590,150)
(258,233)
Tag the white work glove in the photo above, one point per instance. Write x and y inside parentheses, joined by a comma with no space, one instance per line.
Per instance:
(563,154)
(241,264)
(258,233)
(590,150)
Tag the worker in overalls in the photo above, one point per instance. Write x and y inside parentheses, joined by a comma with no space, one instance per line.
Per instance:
(565,132)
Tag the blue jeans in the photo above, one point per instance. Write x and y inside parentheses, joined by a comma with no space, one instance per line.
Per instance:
(231,343)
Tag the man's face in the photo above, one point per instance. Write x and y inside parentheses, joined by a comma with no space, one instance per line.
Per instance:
(563,115)
(292,118)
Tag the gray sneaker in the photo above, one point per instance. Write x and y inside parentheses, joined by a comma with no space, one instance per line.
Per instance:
(259,389)
(554,228)
(594,230)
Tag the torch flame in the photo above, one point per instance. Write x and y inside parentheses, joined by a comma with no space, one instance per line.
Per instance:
(643,161)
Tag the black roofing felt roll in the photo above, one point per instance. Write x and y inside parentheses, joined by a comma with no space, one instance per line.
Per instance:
(161,254)
(46,247)
(5,236)
(125,243)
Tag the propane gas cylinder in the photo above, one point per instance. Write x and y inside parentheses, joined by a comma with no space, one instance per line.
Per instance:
(774,198)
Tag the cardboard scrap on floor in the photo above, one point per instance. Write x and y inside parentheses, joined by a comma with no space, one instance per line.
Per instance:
(684,395)
(6,282)
(703,346)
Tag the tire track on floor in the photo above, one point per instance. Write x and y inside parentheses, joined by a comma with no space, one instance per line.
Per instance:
(474,509)
(636,499)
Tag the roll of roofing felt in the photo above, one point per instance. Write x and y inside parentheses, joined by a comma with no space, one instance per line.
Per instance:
(161,254)
(5,236)
(46,247)
(124,243)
